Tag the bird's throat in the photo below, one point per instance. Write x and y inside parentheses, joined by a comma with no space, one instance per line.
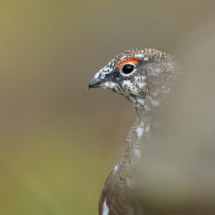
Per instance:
(138,135)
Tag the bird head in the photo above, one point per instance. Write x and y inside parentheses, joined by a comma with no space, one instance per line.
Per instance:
(143,76)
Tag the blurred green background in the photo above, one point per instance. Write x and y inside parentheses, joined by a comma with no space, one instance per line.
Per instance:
(59,141)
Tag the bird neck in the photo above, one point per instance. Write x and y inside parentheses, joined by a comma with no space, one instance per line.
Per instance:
(138,135)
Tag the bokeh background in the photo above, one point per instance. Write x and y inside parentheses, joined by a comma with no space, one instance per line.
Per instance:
(59,141)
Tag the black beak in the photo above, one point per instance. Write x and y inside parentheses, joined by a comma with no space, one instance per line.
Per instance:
(95,82)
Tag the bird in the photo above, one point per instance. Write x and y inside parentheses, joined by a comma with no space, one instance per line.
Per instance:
(145,77)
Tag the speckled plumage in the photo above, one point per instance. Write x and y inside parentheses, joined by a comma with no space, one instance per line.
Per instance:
(147,86)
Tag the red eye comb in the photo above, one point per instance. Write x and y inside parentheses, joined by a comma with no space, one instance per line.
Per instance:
(127,61)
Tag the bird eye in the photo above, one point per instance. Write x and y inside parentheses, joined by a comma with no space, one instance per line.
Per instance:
(127,68)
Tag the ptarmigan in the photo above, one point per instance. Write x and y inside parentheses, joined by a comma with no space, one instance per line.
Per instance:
(144,77)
